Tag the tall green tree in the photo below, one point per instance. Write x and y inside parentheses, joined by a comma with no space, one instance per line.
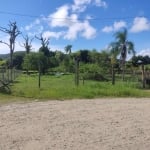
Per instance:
(33,60)
(94,56)
(44,45)
(46,52)
(84,56)
(121,47)
(18,59)
(59,56)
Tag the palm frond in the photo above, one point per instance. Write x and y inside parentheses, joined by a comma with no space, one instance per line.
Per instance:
(121,36)
(130,46)
(114,48)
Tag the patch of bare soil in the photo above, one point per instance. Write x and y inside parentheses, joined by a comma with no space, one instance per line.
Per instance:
(99,124)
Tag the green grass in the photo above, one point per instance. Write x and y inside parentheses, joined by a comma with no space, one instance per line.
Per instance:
(63,87)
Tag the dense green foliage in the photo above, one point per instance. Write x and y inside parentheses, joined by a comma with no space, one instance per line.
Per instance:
(140,60)
(57,61)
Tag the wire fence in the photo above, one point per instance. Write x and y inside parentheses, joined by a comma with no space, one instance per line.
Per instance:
(5,74)
(6,77)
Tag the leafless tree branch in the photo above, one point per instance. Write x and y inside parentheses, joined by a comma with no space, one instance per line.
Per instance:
(44,41)
(27,44)
(5,43)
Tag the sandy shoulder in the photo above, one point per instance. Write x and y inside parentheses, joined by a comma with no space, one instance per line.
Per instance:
(100,124)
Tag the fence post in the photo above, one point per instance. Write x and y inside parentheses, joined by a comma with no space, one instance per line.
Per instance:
(77,71)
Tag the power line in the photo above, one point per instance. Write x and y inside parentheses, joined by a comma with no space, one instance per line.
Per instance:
(17,14)
(70,19)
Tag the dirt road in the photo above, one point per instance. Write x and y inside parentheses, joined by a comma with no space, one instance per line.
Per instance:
(100,124)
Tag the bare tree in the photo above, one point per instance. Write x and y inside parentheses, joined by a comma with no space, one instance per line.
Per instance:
(44,41)
(44,48)
(27,44)
(44,45)
(13,32)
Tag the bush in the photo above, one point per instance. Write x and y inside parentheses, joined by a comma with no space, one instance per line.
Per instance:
(92,72)
(95,76)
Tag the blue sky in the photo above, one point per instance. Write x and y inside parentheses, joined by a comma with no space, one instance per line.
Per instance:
(85,24)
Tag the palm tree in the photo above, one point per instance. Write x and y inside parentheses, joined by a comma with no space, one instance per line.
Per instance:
(121,47)
(68,49)
(113,58)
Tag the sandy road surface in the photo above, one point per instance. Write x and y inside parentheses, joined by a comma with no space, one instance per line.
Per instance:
(101,124)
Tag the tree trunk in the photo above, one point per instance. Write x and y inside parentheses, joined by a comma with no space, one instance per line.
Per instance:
(143,76)
(76,72)
(11,66)
(113,75)
(39,81)
(123,71)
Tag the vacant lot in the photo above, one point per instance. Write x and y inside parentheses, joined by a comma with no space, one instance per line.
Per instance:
(105,124)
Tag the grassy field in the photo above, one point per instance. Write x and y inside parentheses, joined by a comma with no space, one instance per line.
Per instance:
(63,87)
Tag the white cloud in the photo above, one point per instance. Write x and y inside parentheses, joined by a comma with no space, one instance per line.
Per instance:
(88,17)
(4,49)
(119,25)
(81,5)
(115,27)
(101,3)
(140,24)
(70,24)
(33,28)
(65,21)
(83,28)
(48,34)
(28,27)
(89,32)
(73,31)
(60,18)
(83,2)
(32,25)
(144,52)
(107,29)
(37,21)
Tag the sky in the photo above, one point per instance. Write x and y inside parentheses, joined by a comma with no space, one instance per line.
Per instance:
(84,24)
